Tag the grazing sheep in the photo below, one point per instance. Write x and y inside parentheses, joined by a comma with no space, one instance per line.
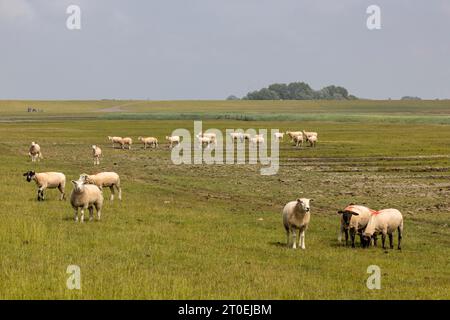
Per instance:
(298,139)
(296,216)
(127,142)
(115,140)
(96,153)
(153,142)
(278,135)
(292,134)
(35,152)
(47,180)
(212,136)
(312,141)
(205,140)
(173,140)
(354,218)
(86,196)
(257,139)
(384,221)
(245,136)
(236,135)
(307,135)
(109,180)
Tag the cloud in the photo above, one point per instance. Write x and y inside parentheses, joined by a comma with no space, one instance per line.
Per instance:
(15,9)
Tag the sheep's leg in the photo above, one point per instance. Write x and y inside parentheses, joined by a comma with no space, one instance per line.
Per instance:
(383,240)
(391,241)
(346,236)
(288,238)
(112,192)
(375,239)
(294,238)
(76,214)
(82,215)
(400,235)
(302,239)
(119,189)
(99,211)
(63,195)
(91,213)
(352,236)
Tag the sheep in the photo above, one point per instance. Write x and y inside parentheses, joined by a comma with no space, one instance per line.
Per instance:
(278,135)
(35,152)
(104,179)
(86,196)
(236,135)
(307,135)
(298,139)
(115,140)
(47,180)
(384,221)
(257,139)
(127,142)
(245,136)
(205,140)
(173,140)
(292,134)
(153,142)
(354,218)
(296,216)
(96,153)
(312,141)
(210,135)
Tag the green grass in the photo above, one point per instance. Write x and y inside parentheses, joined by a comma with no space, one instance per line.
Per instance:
(213,232)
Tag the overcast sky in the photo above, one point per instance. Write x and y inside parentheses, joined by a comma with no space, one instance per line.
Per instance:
(209,49)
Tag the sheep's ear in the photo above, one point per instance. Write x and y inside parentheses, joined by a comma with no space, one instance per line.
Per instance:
(311,200)
(299,200)
(74,182)
(340,212)
(355,214)
(25,174)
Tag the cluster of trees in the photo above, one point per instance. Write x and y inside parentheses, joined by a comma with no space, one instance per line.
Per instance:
(297,91)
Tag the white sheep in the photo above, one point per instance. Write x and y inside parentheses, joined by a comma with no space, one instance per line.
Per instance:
(278,135)
(354,219)
(109,180)
(205,141)
(212,136)
(298,140)
(152,141)
(96,154)
(47,180)
(257,139)
(115,140)
(312,141)
(127,142)
(296,216)
(309,135)
(86,196)
(35,152)
(173,140)
(236,135)
(292,134)
(384,221)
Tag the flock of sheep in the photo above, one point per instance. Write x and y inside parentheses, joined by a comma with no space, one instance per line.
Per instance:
(87,193)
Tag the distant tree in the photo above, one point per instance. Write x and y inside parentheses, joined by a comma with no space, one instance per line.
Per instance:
(232,97)
(410,98)
(299,91)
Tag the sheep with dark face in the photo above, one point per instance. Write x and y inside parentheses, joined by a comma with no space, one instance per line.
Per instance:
(47,180)
(354,219)
(296,217)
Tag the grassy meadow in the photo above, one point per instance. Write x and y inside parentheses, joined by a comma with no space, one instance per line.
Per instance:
(215,231)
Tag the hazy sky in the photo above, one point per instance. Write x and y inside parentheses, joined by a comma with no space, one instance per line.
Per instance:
(209,49)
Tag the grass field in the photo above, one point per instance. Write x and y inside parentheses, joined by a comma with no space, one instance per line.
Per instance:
(215,231)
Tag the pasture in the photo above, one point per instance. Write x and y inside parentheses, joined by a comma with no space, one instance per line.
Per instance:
(215,231)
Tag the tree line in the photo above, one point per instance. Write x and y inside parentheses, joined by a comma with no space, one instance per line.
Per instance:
(297,91)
